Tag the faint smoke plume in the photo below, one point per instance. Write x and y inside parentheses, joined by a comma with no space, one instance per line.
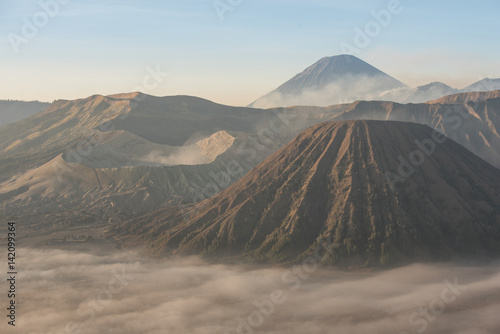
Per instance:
(186,156)
(202,152)
(345,90)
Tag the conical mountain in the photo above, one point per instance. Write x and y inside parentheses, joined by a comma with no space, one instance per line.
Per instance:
(331,69)
(350,182)
(470,119)
(329,81)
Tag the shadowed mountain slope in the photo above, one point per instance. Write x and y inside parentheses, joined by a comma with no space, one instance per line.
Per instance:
(332,183)
(473,121)
(107,158)
(14,111)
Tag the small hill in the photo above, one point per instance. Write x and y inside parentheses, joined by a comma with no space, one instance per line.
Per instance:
(418,95)
(483,85)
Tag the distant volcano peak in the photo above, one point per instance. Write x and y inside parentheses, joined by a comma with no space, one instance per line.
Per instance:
(328,80)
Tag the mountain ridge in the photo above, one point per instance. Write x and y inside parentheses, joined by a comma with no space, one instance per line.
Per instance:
(346,78)
(12,111)
(337,73)
(329,183)
(123,182)
(137,152)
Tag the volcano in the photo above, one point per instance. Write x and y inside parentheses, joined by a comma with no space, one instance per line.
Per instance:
(381,192)
(331,80)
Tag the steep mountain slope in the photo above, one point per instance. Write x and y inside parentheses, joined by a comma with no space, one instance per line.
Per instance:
(331,182)
(137,153)
(61,127)
(331,80)
(123,149)
(475,123)
(175,121)
(345,79)
(13,111)
(109,157)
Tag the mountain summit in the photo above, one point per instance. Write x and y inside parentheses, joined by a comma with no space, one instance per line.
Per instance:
(332,69)
(346,79)
(337,181)
(329,81)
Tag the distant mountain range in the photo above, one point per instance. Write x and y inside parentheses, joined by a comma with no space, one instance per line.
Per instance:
(471,119)
(330,183)
(483,85)
(105,159)
(346,78)
(12,111)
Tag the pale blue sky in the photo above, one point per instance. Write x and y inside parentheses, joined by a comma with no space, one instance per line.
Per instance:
(103,47)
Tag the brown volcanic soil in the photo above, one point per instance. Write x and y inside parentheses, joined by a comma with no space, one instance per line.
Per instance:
(329,183)
(474,124)
(467,97)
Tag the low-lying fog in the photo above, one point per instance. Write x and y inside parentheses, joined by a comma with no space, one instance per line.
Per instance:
(65,292)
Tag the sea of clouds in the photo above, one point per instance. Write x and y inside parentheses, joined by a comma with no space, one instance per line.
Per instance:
(68,292)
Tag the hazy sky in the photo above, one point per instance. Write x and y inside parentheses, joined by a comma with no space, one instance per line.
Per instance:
(104,46)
